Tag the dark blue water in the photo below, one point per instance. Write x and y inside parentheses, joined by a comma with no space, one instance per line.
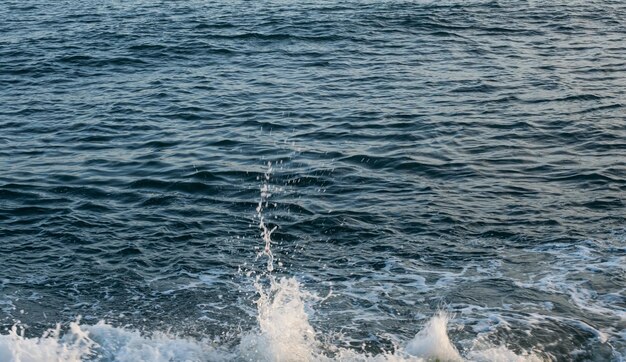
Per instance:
(458,156)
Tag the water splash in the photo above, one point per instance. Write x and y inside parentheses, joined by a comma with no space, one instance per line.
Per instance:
(283,333)
(74,346)
(433,340)
(266,233)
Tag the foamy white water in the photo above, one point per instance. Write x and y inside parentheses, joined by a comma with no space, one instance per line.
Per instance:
(284,331)
(74,345)
(283,334)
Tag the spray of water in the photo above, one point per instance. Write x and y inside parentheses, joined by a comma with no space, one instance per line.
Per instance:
(266,233)
(74,346)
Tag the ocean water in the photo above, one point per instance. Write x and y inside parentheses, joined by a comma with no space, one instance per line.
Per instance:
(280,180)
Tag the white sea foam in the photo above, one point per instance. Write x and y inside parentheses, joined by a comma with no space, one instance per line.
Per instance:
(284,333)
(563,276)
(73,346)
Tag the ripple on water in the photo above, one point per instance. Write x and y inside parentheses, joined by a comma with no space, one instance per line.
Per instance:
(465,156)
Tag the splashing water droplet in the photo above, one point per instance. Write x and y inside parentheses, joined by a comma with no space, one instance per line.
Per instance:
(266,233)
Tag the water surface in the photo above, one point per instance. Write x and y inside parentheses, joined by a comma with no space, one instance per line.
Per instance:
(458,156)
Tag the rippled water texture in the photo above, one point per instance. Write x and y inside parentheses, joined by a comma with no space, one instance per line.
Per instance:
(458,156)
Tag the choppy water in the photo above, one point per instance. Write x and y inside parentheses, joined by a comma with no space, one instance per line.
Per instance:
(456,168)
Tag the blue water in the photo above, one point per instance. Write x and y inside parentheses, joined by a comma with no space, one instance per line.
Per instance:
(416,158)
